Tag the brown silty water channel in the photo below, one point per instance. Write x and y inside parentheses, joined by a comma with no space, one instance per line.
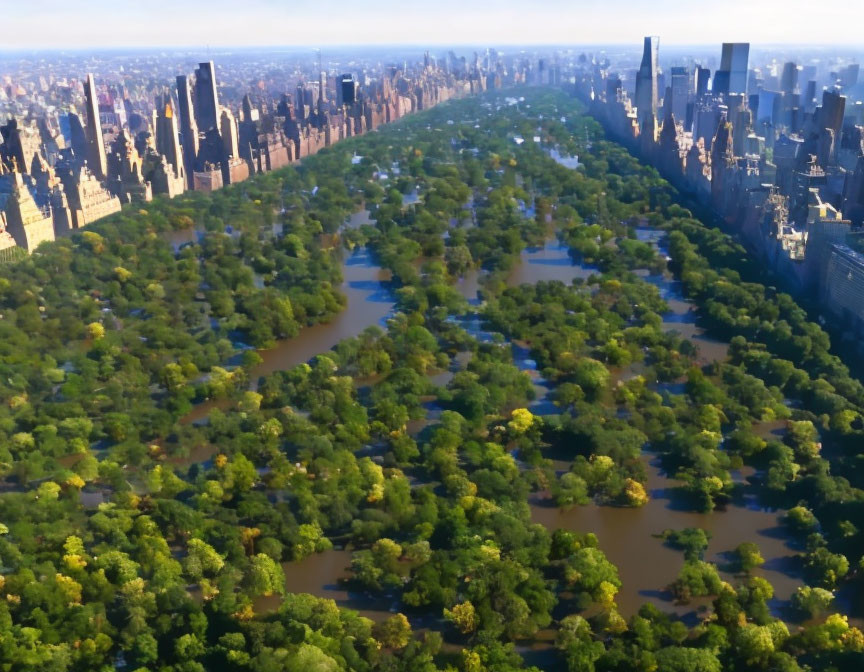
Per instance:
(626,535)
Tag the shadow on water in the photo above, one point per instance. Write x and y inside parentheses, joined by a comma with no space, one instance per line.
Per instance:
(547,263)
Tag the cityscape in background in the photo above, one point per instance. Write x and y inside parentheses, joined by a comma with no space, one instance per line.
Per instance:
(769,140)
(770,145)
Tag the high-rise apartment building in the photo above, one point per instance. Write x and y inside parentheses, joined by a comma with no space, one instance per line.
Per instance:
(168,136)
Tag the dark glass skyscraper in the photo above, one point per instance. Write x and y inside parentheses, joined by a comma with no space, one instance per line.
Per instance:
(188,128)
(206,99)
(348,89)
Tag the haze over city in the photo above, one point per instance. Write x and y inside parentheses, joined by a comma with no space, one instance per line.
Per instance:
(51,24)
(431,337)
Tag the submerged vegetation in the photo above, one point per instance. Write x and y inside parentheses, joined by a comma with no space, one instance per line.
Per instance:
(133,538)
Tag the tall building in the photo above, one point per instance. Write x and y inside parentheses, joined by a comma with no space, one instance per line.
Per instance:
(702,75)
(96,159)
(322,86)
(28,222)
(789,78)
(228,130)
(168,136)
(206,98)
(646,81)
(732,74)
(188,127)
(680,89)
(348,89)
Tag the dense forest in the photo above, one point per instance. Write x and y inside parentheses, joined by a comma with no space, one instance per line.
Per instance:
(412,461)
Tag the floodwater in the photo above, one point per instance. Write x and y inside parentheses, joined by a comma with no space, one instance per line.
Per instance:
(681,317)
(359,218)
(647,566)
(319,575)
(550,262)
(180,237)
(469,285)
(369,303)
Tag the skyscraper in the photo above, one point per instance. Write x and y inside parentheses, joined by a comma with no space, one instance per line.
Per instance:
(681,88)
(789,78)
(188,128)
(96,159)
(702,76)
(228,129)
(322,86)
(348,89)
(646,80)
(206,98)
(168,136)
(733,60)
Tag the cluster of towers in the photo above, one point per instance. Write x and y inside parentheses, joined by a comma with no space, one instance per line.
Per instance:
(776,163)
(56,177)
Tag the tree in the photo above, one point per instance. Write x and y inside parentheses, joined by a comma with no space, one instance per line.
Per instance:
(201,559)
(310,539)
(825,568)
(748,557)
(591,376)
(810,602)
(307,658)
(95,331)
(188,647)
(394,632)
(265,576)
(634,493)
(754,644)
(696,579)
(463,617)
(687,659)
(521,421)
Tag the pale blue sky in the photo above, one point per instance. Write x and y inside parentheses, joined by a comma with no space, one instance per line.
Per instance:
(116,23)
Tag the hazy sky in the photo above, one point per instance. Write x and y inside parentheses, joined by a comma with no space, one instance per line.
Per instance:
(115,23)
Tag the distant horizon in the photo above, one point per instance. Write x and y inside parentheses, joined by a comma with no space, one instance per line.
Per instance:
(59,25)
(419,48)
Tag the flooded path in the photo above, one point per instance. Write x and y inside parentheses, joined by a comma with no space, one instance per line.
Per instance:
(320,575)
(369,303)
(365,285)
(550,262)
(627,536)
(646,565)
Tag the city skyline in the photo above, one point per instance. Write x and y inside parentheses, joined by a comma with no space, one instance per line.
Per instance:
(57,25)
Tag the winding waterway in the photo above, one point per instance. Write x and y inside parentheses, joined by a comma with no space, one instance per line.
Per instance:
(626,535)
(365,285)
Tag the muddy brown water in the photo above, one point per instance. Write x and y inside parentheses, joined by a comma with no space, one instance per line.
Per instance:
(320,575)
(369,302)
(647,566)
(179,237)
(547,263)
